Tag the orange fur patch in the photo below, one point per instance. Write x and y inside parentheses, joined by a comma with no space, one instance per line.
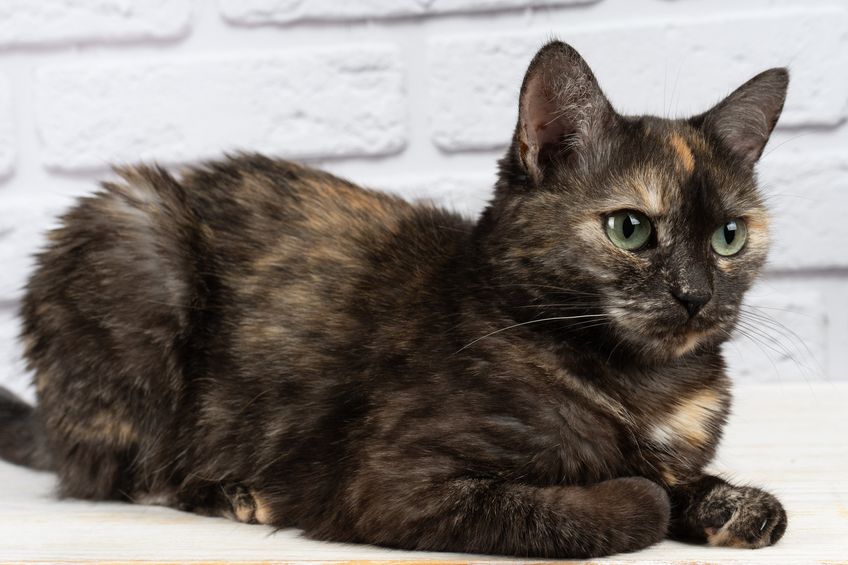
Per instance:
(690,420)
(684,152)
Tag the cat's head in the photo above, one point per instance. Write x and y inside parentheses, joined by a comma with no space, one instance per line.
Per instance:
(648,228)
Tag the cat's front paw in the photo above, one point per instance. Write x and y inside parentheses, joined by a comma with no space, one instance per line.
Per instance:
(742,517)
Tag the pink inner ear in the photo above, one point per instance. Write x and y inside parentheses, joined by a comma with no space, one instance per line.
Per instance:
(561,108)
(542,125)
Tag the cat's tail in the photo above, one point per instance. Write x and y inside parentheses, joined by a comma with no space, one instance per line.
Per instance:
(22,437)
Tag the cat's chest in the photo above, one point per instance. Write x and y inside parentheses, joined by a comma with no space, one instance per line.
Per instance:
(689,422)
(662,425)
(679,433)
(668,436)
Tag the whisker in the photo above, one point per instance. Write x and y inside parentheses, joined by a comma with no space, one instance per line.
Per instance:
(769,341)
(561,305)
(555,318)
(779,347)
(759,345)
(546,286)
(780,327)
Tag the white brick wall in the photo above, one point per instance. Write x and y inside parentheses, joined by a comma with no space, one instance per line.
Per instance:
(418,97)
(176,109)
(633,60)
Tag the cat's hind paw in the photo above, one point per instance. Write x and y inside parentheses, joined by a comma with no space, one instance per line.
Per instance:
(248,506)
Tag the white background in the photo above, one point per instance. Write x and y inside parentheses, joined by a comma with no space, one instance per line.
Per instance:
(419,97)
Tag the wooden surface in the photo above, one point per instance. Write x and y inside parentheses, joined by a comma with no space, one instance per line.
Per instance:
(791,439)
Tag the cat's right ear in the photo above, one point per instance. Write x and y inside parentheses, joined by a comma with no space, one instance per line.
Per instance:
(562,111)
(744,120)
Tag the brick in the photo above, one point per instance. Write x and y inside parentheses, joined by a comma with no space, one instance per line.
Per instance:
(24,22)
(7,128)
(837,330)
(23,224)
(808,196)
(466,193)
(786,325)
(666,67)
(274,11)
(321,102)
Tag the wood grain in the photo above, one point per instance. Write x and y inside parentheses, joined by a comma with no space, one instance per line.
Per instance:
(791,439)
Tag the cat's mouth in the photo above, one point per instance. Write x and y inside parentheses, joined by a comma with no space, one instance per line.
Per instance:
(662,329)
(677,343)
(667,337)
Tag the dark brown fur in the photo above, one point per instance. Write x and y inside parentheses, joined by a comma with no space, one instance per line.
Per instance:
(269,342)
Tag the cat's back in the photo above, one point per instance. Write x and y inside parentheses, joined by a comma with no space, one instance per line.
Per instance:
(252,207)
(289,235)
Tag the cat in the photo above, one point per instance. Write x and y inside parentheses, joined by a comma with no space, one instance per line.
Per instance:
(265,341)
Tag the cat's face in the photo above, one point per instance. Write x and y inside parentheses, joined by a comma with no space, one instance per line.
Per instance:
(649,229)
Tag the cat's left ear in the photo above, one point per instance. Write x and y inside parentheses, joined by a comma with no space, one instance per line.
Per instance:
(743,121)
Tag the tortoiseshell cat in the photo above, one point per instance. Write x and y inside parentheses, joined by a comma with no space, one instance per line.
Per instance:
(266,341)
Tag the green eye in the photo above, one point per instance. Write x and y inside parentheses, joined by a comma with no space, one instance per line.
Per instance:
(729,238)
(628,229)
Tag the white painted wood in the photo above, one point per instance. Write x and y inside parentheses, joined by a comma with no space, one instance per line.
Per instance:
(791,439)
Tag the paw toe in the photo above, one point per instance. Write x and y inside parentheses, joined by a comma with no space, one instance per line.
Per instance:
(243,506)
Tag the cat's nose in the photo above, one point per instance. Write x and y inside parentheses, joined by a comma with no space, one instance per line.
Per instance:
(692,300)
